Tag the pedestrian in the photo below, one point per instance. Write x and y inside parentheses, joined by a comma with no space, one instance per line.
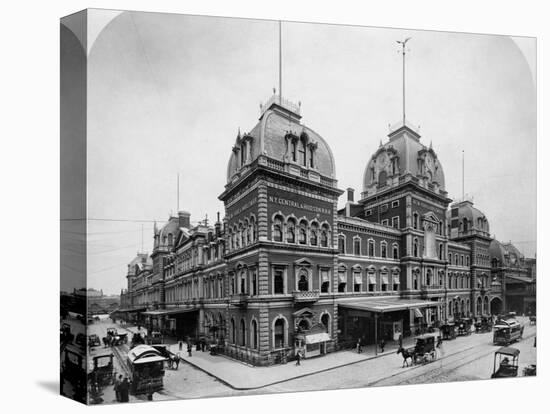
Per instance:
(180,344)
(400,341)
(298,357)
(189,349)
(382,345)
(177,361)
(358,346)
(116,387)
(124,388)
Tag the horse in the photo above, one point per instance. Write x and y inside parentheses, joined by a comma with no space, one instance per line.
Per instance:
(106,340)
(406,353)
(175,360)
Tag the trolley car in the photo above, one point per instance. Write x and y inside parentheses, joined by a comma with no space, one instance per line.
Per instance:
(146,365)
(507,331)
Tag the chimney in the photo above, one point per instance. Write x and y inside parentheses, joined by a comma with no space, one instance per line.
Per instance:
(218,226)
(349,201)
(184,219)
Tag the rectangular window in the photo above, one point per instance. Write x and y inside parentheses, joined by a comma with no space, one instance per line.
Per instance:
(385,222)
(371,287)
(325,281)
(395,222)
(395,204)
(368,213)
(278,282)
(383,208)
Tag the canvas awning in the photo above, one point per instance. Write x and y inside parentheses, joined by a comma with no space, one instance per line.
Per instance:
(396,280)
(372,279)
(342,277)
(358,279)
(417,313)
(388,304)
(324,276)
(385,279)
(318,337)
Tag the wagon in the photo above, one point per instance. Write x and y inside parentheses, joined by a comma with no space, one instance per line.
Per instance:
(508,359)
(424,350)
(448,331)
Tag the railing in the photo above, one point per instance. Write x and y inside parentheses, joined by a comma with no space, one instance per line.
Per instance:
(306,295)
(275,164)
(279,100)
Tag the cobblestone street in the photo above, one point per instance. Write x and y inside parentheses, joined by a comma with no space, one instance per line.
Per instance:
(465,358)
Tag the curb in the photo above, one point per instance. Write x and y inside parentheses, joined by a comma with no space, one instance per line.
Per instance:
(286,379)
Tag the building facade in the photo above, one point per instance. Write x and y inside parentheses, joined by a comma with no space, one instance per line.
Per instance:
(285,270)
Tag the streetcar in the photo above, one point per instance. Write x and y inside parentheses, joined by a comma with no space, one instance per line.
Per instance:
(507,331)
(146,365)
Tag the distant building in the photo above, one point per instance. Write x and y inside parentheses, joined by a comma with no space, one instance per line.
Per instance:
(286,270)
(517,275)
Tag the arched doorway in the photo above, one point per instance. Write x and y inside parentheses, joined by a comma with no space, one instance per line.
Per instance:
(478,306)
(496,306)
(486,305)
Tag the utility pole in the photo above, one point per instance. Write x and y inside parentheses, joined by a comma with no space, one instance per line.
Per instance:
(280,64)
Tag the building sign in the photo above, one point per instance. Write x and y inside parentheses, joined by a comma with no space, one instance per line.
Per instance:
(290,203)
(239,208)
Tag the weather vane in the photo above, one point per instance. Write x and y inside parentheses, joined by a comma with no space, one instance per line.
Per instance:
(403,43)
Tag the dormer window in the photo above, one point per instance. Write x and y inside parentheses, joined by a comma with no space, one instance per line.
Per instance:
(311,165)
(243,153)
(293,150)
(302,153)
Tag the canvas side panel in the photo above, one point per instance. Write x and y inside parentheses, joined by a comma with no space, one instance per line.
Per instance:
(73,319)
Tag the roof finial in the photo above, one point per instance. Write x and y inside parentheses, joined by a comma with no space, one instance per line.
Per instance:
(380,142)
(239,133)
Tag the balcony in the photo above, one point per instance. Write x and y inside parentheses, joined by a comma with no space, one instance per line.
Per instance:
(306,296)
(239,299)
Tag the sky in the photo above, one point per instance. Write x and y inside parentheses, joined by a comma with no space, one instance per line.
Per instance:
(167,94)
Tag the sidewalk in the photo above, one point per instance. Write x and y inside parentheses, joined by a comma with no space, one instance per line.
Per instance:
(241,376)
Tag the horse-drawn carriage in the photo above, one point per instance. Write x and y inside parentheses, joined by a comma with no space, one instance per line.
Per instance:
(508,359)
(137,339)
(448,330)
(115,338)
(102,370)
(464,326)
(483,324)
(93,340)
(424,350)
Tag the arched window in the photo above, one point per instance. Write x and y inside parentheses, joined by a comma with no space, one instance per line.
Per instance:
(415,220)
(293,150)
(242,233)
(357,246)
(415,247)
(302,233)
(383,250)
(170,239)
(324,237)
(311,153)
(291,231)
(341,244)
(279,333)
(242,289)
(278,229)
(429,277)
(440,251)
(302,152)
(254,334)
(465,224)
(371,248)
(233,333)
(303,284)
(325,320)
(253,229)
(313,234)
(395,254)
(467,260)
(247,230)
(243,333)
(456,259)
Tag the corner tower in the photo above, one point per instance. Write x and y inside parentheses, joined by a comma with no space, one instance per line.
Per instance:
(280,215)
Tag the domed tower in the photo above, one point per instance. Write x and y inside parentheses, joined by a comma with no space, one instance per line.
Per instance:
(280,217)
(468,225)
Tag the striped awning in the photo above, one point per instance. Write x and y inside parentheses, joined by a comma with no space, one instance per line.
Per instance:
(387,304)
